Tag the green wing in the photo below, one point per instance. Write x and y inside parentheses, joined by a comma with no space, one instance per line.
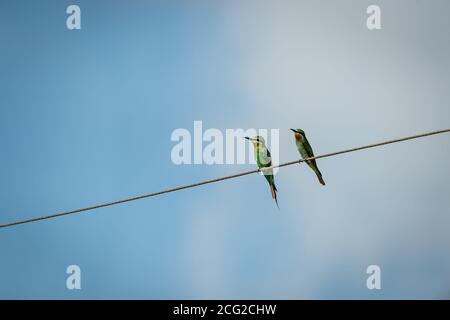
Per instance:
(263,158)
(311,163)
(308,148)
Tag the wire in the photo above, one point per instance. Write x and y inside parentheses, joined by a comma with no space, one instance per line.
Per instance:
(237,175)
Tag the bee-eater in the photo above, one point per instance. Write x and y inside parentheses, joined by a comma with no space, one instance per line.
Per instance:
(264,160)
(305,150)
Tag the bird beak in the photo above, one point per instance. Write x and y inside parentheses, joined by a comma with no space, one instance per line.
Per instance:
(294,130)
(247,138)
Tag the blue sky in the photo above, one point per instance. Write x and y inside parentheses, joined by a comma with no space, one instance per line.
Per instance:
(86,117)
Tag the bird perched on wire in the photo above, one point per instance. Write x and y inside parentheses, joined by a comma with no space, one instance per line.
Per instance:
(305,150)
(264,160)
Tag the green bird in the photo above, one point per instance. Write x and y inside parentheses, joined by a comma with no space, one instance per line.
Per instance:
(264,160)
(305,150)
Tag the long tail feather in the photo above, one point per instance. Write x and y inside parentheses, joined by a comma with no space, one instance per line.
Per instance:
(274,190)
(319,176)
(312,164)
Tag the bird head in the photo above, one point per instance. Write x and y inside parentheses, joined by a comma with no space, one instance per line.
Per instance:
(257,141)
(298,133)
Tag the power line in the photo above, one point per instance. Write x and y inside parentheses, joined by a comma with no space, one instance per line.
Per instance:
(237,175)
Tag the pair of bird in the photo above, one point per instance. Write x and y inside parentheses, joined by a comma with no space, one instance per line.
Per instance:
(264,160)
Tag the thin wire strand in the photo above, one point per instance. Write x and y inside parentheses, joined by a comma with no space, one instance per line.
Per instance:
(237,175)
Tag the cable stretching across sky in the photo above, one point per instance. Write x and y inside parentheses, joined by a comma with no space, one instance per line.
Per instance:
(237,175)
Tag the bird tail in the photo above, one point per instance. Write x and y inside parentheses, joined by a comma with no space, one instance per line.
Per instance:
(312,164)
(274,190)
(319,176)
